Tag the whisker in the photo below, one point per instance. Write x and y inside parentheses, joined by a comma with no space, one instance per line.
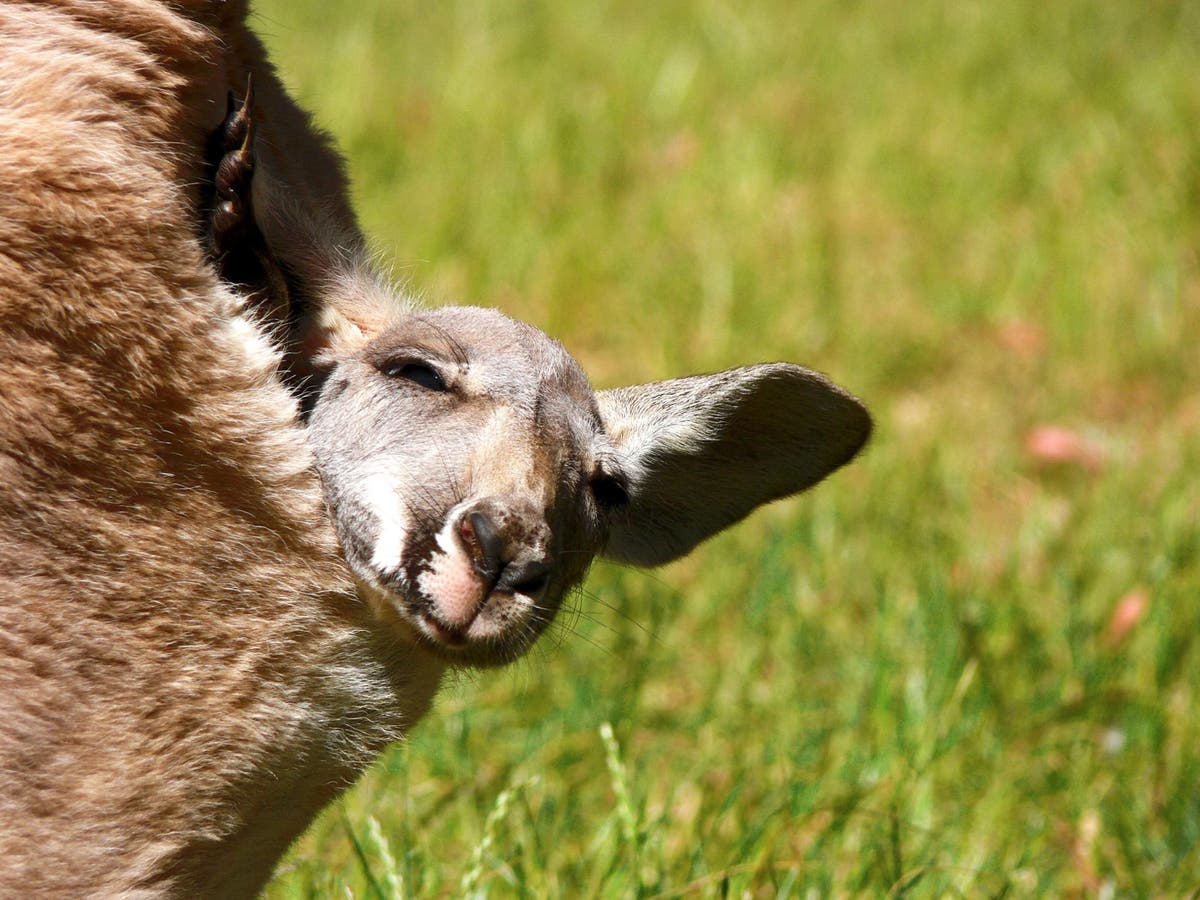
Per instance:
(596,598)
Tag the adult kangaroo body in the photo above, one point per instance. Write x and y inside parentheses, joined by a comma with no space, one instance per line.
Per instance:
(165,557)
(208,629)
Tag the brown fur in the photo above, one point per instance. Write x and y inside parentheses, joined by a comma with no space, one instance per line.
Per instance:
(161,744)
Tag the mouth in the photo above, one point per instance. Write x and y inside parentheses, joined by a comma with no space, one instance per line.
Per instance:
(483,642)
(441,601)
(454,638)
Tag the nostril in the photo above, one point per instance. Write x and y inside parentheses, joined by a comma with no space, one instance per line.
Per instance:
(485,545)
(527,579)
(532,585)
(505,548)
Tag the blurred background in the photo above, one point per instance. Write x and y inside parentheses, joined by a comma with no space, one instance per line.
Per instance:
(968,663)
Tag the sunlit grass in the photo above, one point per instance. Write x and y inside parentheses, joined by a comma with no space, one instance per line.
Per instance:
(979,217)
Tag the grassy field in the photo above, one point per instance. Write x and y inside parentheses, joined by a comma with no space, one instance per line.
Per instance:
(968,664)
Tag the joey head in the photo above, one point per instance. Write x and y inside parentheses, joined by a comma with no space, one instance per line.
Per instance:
(473,474)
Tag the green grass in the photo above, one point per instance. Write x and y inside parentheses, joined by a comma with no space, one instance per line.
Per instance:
(981,218)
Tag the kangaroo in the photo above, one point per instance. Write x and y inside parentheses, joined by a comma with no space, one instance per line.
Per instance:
(253,507)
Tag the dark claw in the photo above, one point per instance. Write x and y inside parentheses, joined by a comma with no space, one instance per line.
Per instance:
(237,117)
(237,167)
(232,149)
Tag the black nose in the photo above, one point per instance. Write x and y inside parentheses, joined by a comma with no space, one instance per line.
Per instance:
(490,559)
(506,549)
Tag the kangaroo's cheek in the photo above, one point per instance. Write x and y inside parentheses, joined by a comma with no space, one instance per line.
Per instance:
(383,499)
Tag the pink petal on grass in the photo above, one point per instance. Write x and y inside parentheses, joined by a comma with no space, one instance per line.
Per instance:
(1021,338)
(1128,613)
(1059,445)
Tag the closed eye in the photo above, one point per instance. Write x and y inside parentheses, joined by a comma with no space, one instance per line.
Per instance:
(418,373)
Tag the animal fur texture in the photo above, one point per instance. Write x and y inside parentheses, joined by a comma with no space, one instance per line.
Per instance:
(219,602)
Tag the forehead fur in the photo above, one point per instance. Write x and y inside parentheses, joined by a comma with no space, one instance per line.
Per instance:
(505,357)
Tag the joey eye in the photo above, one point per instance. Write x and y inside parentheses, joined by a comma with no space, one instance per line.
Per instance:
(609,490)
(418,373)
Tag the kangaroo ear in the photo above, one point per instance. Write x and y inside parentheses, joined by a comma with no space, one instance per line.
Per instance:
(701,453)
(324,335)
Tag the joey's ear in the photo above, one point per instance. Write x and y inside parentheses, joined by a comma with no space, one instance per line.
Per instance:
(325,335)
(344,310)
(337,303)
(701,453)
